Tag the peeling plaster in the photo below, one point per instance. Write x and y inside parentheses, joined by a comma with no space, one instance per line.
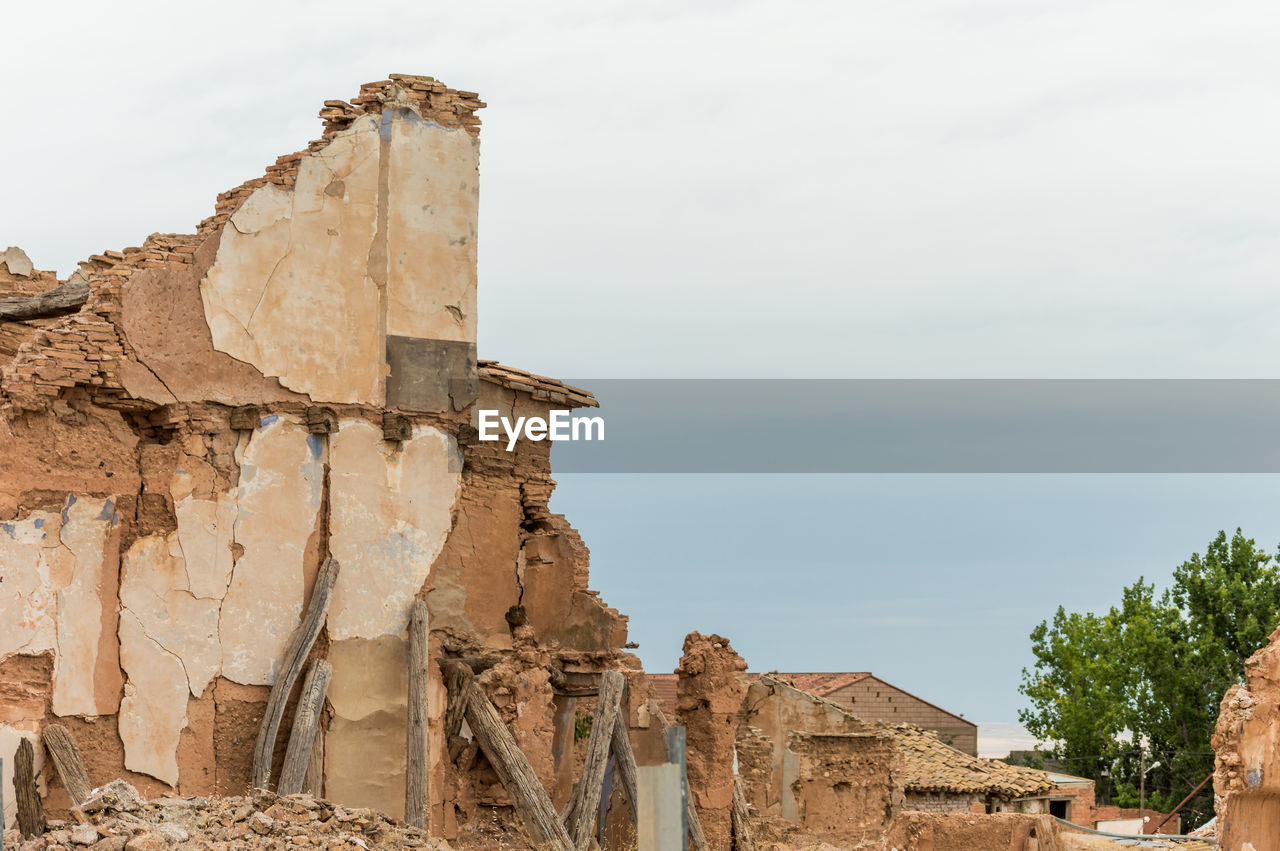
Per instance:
(86,674)
(377,237)
(57,584)
(27,597)
(155,591)
(391,511)
(153,712)
(278,504)
(310,318)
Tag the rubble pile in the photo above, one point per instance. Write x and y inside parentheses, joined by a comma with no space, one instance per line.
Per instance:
(116,819)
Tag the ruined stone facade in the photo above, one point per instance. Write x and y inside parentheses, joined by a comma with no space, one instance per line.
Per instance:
(296,380)
(709,697)
(1246,780)
(800,756)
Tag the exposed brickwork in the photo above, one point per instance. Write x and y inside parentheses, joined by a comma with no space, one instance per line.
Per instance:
(1079,799)
(85,348)
(932,802)
(432,99)
(872,699)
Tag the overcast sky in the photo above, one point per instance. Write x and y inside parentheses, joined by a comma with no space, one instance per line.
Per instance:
(876,189)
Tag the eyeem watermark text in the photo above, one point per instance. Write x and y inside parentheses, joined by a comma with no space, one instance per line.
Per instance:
(560,426)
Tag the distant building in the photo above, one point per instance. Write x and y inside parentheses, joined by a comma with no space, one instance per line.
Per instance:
(868,697)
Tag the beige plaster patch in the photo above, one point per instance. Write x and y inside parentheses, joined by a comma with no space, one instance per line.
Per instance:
(86,678)
(364,748)
(431,231)
(153,712)
(390,512)
(27,597)
(278,502)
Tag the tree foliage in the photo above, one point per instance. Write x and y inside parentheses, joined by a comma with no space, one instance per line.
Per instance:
(1152,671)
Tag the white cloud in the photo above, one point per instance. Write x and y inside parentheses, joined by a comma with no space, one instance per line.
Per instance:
(889,189)
(997,738)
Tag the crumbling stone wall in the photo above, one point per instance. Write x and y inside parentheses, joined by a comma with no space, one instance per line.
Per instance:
(935,802)
(960,832)
(1246,779)
(844,784)
(709,693)
(294,381)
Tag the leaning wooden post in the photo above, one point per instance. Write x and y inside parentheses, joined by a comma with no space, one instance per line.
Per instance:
(30,810)
(313,783)
(625,759)
(458,685)
(66,759)
(512,767)
(415,780)
(583,817)
(306,723)
(294,657)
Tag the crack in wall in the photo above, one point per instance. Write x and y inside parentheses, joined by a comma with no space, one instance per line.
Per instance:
(124,610)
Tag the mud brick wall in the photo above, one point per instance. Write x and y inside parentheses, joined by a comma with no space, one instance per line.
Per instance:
(711,685)
(933,802)
(845,786)
(294,381)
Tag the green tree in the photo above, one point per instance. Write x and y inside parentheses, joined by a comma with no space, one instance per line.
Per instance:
(1152,670)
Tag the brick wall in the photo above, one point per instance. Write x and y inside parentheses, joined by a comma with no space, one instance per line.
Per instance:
(875,700)
(1080,803)
(941,802)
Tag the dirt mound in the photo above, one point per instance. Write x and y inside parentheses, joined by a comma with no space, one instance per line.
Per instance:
(115,819)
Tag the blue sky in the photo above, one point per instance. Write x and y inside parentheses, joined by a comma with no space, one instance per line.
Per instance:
(933,582)
(968,188)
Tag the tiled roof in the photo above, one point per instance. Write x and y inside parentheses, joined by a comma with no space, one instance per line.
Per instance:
(538,386)
(932,766)
(664,688)
(929,765)
(820,684)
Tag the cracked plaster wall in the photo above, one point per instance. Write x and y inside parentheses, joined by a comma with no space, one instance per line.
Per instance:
(220,594)
(387,214)
(183,562)
(391,510)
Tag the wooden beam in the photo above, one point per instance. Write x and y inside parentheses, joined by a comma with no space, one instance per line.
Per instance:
(313,783)
(306,723)
(743,839)
(66,759)
(415,781)
(458,677)
(64,298)
(30,810)
(295,655)
(512,767)
(583,817)
(624,757)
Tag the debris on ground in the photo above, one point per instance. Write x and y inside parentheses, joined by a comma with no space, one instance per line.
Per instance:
(114,818)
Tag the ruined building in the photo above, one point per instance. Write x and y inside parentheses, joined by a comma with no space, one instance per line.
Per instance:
(1246,780)
(870,698)
(191,427)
